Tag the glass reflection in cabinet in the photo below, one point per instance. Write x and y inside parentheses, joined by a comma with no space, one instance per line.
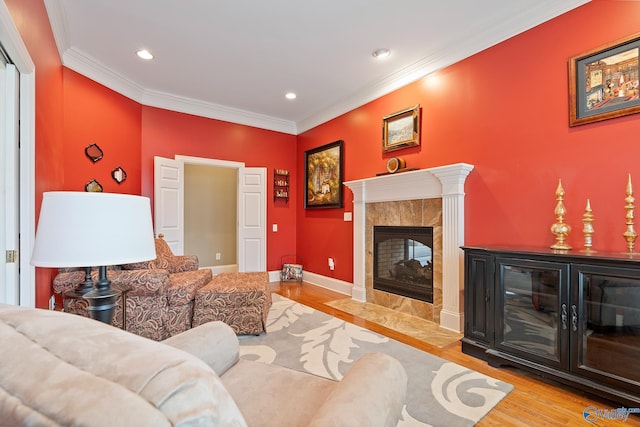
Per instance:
(531,309)
(611,330)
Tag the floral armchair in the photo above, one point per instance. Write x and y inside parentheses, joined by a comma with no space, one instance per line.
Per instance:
(159,294)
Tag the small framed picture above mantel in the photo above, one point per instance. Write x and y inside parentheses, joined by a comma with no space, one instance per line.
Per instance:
(603,82)
(401,129)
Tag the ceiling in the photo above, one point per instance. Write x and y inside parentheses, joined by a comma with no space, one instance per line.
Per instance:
(234,60)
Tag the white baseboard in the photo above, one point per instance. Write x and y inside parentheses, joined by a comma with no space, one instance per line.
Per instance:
(319,280)
(452,321)
(217,269)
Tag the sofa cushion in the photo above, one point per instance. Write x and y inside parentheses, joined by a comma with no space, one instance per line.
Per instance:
(69,370)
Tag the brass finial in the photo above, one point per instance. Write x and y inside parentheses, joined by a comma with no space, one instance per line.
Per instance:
(560,229)
(587,220)
(630,234)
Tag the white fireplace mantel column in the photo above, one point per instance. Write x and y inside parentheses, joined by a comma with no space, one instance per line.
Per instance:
(446,182)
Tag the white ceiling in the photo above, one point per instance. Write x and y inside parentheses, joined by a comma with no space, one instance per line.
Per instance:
(234,60)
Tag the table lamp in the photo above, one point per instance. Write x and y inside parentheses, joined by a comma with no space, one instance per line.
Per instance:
(85,229)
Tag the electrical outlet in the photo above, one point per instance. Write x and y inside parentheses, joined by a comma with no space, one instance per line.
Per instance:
(52,303)
(332,264)
(218,256)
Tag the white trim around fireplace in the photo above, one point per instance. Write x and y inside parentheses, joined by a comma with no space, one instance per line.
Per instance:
(446,182)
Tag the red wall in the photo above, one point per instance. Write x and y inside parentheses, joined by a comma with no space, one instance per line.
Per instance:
(504,110)
(167,133)
(96,114)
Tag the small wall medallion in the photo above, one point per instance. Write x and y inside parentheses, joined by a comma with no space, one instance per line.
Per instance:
(93,186)
(119,175)
(93,152)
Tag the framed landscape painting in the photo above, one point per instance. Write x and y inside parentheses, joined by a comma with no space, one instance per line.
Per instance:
(323,176)
(401,129)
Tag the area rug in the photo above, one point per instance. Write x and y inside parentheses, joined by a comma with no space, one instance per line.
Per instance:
(439,393)
(414,326)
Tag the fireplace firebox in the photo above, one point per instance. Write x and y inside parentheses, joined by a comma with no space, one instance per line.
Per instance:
(403,261)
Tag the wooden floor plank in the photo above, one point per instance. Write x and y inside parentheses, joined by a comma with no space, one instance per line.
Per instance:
(533,402)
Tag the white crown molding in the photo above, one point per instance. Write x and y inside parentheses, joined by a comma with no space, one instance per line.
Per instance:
(216,111)
(85,65)
(465,48)
(59,26)
(13,44)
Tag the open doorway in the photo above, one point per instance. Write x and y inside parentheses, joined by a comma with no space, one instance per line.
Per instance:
(250,211)
(211,192)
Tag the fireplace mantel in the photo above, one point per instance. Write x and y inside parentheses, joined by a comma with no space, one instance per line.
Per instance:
(446,182)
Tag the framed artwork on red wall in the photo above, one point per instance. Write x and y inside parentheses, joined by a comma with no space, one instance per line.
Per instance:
(324,173)
(401,129)
(603,82)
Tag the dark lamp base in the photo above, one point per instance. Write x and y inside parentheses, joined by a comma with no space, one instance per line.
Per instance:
(102,300)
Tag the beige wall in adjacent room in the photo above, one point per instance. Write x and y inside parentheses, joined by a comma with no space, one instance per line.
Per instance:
(210,211)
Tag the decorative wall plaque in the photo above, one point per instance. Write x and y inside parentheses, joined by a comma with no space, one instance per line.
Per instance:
(93,152)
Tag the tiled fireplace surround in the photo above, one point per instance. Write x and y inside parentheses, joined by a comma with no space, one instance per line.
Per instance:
(428,197)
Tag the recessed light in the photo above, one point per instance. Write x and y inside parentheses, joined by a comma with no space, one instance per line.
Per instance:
(290,95)
(144,54)
(381,53)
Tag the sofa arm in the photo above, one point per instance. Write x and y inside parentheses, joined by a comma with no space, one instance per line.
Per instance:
(215,343)
(372,393)
(141,282)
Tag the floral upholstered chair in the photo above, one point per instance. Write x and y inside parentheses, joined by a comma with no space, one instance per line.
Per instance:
(159,294)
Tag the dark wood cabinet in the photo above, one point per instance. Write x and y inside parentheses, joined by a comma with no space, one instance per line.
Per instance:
(573,317)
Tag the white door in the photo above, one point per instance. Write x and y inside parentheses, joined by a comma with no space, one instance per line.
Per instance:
(169,202)
(9,181)
(252,229)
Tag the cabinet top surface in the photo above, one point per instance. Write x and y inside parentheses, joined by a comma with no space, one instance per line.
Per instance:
(574,255)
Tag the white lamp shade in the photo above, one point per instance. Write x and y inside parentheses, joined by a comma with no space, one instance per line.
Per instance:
(85,229)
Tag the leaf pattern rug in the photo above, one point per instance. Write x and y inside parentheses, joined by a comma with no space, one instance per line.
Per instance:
(440,393)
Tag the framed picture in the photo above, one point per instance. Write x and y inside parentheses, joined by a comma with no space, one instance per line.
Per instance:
(603,82)
(401,129)
(323,176)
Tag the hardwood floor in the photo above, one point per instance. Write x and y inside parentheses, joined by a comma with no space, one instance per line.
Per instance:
(533,402)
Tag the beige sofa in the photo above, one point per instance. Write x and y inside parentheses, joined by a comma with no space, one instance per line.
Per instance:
(61,369)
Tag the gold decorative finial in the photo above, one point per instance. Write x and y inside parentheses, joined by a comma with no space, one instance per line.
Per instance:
(630,234)
(560,229)
(587,220)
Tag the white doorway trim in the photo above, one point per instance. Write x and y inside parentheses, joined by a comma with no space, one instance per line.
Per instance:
(17,51)
(209,162)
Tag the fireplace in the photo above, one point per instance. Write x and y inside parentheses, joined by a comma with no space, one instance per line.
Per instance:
(424,197)
(403,261)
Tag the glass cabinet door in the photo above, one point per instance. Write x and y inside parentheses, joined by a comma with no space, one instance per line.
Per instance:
(606,325)
(533,309)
